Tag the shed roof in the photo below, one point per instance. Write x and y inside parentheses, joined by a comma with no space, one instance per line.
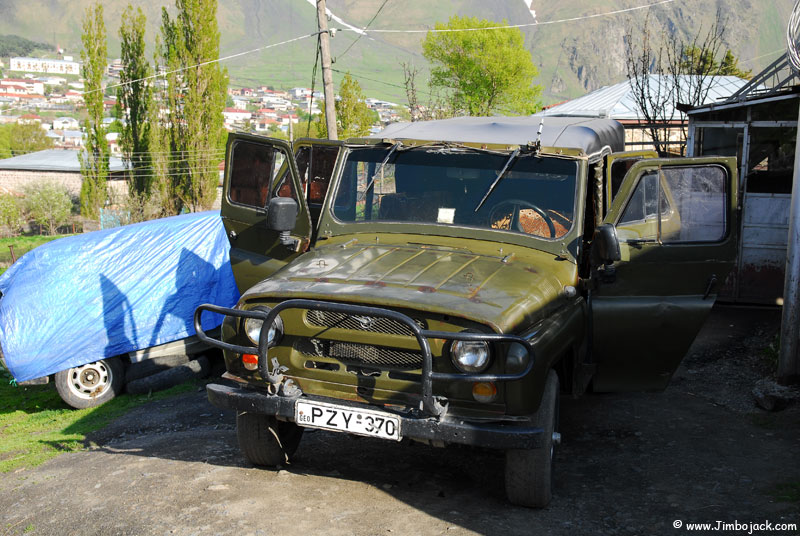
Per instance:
(587,134)
(618,101)
(53,160)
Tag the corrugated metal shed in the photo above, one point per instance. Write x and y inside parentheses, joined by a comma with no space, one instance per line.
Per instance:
(618,102)
(53,160)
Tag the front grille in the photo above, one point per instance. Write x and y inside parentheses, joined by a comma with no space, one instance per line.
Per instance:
(360,354)
(327,319)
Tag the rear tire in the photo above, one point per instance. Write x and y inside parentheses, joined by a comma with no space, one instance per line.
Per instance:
(91,384)
(266,441)
(529,473)
(165,379)
(148,367)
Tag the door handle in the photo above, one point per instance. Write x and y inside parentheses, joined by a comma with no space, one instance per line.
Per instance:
(232,235)
(711,282)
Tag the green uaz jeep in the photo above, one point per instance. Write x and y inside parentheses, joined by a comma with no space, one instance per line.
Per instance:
(444,281)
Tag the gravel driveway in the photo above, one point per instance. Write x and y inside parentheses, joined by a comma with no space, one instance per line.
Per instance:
(629,464)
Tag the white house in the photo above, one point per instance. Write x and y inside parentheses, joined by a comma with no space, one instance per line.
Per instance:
(300,92)
(42,65)
(21,86)
(235,115)
(65,123)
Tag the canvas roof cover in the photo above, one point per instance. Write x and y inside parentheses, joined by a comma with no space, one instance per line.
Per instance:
(85,297)
(590,135)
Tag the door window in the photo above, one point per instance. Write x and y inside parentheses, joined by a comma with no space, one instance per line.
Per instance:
(687,204)
(252,168)
(315,165)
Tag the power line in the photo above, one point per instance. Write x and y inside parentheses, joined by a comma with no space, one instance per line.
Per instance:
(764,55)
(380,81)
(572,19)
(362,32)
(201,64)
(360,35)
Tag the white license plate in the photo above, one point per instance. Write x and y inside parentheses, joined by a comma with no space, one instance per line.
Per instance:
(342,419)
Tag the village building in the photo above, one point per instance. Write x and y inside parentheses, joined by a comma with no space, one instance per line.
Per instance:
(619,102)
(22,86)
(757,125)
(57,165)
(235,115)
(43,65)
(65,123)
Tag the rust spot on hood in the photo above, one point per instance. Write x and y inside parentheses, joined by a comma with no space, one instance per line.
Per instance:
(427,290)
(375,284)
(321,279)
(531,270)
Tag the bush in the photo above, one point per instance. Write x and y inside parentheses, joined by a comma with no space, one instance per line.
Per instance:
(49,205)
(11,214)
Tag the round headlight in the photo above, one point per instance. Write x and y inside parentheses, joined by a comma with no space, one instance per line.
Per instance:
(470,356)
(252,326)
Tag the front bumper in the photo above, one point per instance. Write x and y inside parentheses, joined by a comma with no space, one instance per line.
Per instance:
(447,430)
(431,405)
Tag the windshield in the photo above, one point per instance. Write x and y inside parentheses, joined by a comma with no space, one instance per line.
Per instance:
(535,195)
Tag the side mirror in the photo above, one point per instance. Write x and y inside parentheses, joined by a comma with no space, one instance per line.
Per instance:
(281,214)
(605,245)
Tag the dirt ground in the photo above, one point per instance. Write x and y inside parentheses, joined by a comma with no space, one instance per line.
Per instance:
(629,464)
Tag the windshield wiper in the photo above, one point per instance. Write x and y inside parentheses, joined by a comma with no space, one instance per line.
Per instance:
(500,175)
(380,168)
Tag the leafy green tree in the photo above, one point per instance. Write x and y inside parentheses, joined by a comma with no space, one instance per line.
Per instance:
(135,98)
(5,141)
(701,61)
(49,205)
(353,116)
(11,216)
(484,71)
(730,66)
(94,159)
(196,98)
(17,139)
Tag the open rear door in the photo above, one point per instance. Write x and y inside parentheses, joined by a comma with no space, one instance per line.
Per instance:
(255,169)
(676,223)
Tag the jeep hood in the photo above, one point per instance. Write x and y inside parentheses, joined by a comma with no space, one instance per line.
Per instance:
(502,291)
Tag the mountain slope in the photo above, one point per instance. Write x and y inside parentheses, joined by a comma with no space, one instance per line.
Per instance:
(573,57)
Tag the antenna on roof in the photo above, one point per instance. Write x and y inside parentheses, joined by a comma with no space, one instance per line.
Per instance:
(537,147)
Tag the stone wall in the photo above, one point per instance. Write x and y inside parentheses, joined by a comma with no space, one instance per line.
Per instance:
(15,181)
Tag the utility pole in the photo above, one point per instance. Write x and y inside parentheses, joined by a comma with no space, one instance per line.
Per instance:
(788,359)
(327,74)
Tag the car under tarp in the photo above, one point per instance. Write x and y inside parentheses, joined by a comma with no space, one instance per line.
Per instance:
(87,297)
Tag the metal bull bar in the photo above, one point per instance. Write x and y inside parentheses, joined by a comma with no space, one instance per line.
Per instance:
(430,404)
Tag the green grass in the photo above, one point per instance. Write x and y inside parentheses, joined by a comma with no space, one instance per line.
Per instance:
(36,425)
(22,245)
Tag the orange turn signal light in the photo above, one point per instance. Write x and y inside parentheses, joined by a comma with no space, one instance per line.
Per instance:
(484,392)
(250,361)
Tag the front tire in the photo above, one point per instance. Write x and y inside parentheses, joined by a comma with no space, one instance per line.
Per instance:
(92,384)
(529,473)
(266,441)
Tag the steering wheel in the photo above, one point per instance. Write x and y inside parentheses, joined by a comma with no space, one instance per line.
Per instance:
(498,211)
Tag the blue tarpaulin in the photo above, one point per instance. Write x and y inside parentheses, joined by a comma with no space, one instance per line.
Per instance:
(82,298)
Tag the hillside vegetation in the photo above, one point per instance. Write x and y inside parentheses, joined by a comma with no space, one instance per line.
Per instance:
(14,45)
(573,57)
